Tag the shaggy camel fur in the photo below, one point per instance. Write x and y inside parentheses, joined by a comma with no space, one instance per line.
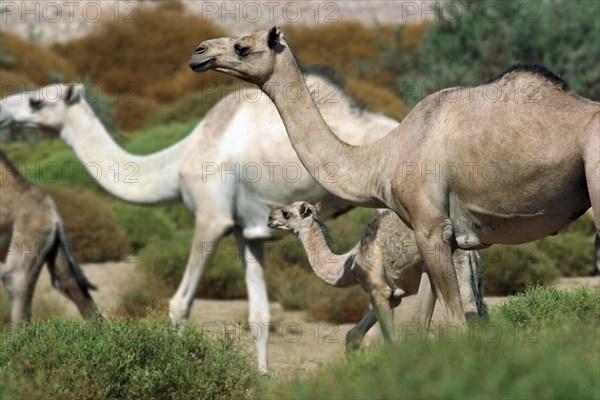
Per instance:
(385,262)
(508,161)
(33,234)
(231,171)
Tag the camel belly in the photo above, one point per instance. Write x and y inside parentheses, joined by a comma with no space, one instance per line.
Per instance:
(476,227)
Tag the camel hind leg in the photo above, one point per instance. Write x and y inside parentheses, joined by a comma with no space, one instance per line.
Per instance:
(68,279)
(259,318)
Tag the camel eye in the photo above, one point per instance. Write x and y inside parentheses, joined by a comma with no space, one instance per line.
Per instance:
(285,214)
(36,104)
(243,52)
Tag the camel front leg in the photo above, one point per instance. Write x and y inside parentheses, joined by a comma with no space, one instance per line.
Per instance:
(20,276)
(434,241)
(380,300)
(251,253)
(208,231)
(355,336)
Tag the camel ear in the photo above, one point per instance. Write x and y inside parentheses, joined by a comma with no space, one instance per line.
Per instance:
(305,210)
(318,207)
(275,38)
(74,93)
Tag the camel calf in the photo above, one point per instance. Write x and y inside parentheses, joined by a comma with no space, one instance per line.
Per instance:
(33,234)
(385,262)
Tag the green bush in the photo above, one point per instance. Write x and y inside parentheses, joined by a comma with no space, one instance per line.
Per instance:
(166,260)
(121,359)
(294,288)
(499,359)
(487,36)
(339,306)
(510,269)
(572,252)
(189,107)
(143,224)
(92,226)
(547,305)
(180,215)
(157,138)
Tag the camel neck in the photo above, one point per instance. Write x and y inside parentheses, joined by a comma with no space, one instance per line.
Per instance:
(333,269)
(151,179)
(341,169)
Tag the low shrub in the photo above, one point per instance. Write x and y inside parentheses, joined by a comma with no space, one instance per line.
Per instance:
(377,99)
(491,362)
(32,63)
(572,252)
(92,226)
(166,261)
(5,307)
(121,359)
(189,107)
(510,269)
(498,359)
(180,216)
(156,138)
(294,288)
(338,305)
(143,224)
(547,305)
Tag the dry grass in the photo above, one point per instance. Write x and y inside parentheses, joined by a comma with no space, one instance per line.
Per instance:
(31,63)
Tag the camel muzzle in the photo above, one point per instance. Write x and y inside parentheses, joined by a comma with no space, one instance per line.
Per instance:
(200,65)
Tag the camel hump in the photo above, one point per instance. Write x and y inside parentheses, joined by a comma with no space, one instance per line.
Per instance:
(532,69)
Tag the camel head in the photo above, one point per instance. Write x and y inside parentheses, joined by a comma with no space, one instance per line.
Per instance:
(44,108)
(294,217)
(251,58)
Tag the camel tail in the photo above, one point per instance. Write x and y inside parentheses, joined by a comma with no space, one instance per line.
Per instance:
(70,267)
(474,261)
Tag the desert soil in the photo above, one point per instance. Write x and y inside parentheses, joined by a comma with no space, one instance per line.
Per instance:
(295,342)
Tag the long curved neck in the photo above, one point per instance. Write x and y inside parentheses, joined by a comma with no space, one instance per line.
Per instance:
(344,170)
(334,269)
(151,179)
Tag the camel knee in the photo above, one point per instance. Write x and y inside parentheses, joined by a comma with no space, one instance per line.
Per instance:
(179,312)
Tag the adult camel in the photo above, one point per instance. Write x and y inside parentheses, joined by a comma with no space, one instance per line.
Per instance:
(508,161)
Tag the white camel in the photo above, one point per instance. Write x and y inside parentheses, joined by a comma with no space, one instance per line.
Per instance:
(231,171)
(385,262)
(465,169)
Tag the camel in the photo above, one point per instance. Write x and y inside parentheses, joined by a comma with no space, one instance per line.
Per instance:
(384,262)
(508,161)
(33,233)
(231,171)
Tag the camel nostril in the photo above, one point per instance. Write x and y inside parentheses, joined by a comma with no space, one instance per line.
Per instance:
(200,49)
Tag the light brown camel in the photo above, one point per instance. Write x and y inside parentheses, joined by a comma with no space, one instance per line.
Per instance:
(508,161)
(233,169)
(385,262)
(33,234)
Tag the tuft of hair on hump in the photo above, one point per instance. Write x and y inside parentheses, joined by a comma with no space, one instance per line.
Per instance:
(534,69)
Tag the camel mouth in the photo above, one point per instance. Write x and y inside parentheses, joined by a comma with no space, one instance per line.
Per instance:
(276,225)
(201,66)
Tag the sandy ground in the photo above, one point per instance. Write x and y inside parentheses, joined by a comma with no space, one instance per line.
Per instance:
(296,343)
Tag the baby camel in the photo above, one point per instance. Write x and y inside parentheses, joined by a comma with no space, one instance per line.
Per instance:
(32,234)
(385,262)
